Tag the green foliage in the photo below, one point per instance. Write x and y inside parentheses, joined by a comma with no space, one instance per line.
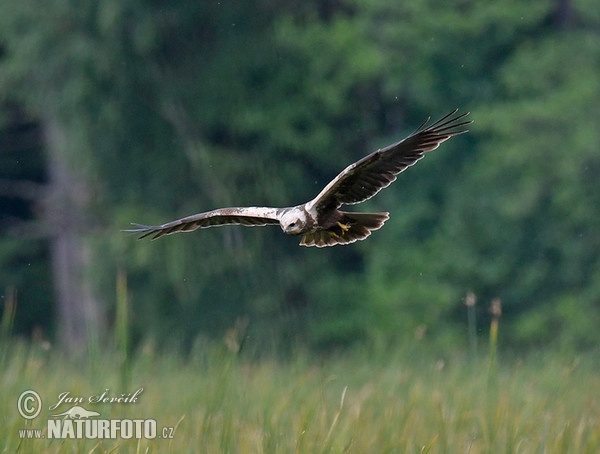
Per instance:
(542,228)
(172,110)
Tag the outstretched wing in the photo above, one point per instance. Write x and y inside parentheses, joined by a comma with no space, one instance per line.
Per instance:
(365,178)
(250,216)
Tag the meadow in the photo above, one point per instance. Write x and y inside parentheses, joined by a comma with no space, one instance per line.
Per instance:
(405,401)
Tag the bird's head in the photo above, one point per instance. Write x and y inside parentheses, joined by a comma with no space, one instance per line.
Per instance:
(293,221)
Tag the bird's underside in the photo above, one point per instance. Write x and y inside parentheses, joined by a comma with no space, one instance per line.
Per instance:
(320,222)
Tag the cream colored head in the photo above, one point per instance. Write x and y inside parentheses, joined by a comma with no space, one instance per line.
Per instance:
(293,221)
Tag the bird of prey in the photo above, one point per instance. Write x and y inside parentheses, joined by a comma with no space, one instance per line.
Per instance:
(320,222)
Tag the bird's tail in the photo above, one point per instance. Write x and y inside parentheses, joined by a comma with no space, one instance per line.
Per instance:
(350,228)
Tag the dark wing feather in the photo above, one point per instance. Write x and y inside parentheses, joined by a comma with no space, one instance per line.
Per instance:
(249,216)
(365,178)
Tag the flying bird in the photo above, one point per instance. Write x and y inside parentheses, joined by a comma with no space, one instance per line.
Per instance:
(320,222)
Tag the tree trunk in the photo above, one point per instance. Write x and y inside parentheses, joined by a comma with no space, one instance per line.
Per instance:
(563,15)
(79,316)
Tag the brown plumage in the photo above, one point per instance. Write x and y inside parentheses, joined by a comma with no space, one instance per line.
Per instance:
(319,221)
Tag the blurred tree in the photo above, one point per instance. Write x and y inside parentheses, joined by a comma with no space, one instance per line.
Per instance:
(234,96)
(437,56)
(22,187)
(153,111)
(520,218)
(542,229)
(44,68)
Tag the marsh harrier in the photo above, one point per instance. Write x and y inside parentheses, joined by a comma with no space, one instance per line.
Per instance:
(320,222)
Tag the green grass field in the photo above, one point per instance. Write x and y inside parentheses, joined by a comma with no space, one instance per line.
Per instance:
(406,402)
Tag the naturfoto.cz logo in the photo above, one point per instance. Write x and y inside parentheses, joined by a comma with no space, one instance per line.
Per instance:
(79,422)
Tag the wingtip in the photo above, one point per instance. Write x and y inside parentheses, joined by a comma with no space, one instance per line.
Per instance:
(449,118)
(145,230)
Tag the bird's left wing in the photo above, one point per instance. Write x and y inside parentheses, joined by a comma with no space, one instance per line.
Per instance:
(365,178)
(249,216)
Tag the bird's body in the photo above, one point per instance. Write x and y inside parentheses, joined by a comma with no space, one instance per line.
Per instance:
(320,222)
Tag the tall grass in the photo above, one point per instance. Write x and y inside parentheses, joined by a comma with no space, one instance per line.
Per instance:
(407,402)
(496,312)
(470,301)
(221,399)
(122,328)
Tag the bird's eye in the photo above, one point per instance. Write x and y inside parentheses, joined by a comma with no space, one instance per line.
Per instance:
(293,224)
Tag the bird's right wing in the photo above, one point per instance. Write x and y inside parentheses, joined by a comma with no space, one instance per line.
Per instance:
(365,178)
(249,216)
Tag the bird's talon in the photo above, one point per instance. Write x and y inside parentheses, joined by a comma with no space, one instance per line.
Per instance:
(344,227)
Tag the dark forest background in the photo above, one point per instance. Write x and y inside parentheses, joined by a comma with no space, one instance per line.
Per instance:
(126,111)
